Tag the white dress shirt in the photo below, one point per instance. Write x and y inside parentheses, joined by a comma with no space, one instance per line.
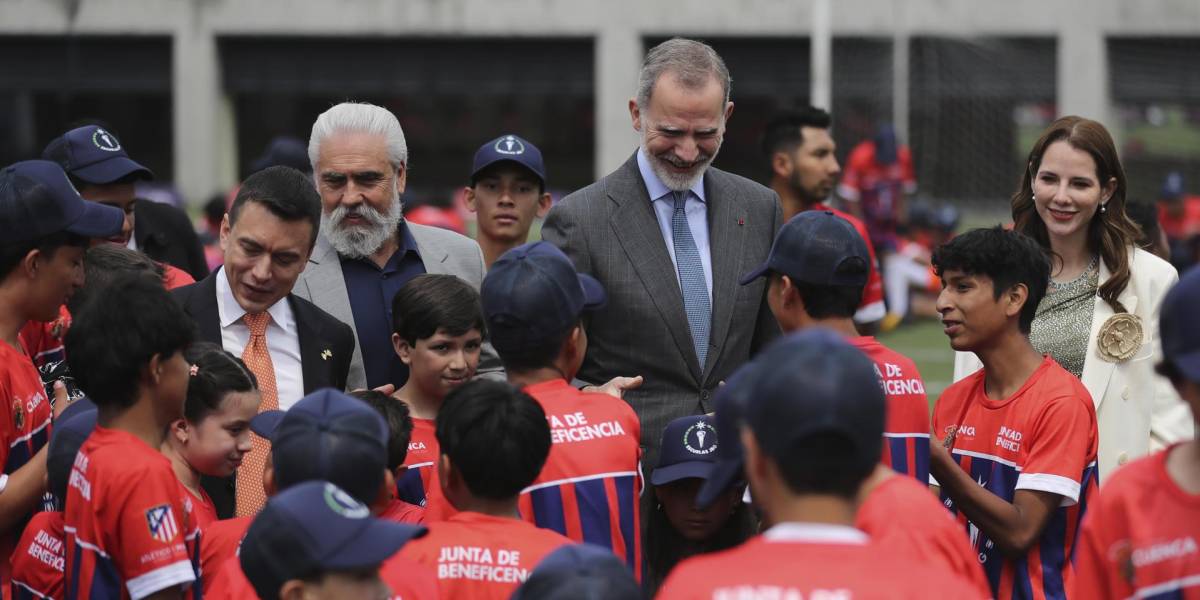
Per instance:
(696,209)
(283,340)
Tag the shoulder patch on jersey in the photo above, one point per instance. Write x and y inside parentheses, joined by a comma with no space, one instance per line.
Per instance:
(161,521)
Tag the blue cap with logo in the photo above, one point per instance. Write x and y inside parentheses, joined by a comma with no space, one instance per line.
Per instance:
(580,572)
(817,247)
(1178,326)
(327,436)
(730,405)
(532,292)
(94,155)
(688,450)
(815,382)
(37,199)
(312,528)
(509,148)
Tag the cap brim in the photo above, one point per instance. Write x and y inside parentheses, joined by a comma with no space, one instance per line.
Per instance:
(372,544)
(724,474)
(755,274)
(693,469)
(593,292)
(98,221)
(110,170)
(1188,364)
(264,423)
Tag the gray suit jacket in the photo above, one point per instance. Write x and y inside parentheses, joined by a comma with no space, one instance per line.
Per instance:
(442,252)
(610,231)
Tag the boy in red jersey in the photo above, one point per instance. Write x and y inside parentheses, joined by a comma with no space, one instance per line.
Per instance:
(125,522)
(400,427)
(39,558)
(806,456)
(315,541)
(438,332)
(1141,536)
(817,268)
(1018,462)
(494,440)
(588,490)
(326,436)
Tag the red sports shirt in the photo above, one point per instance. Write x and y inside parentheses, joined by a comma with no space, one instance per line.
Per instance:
(125,522)
(221,541)
(39,559)
(902,516)
(878,188)
(1141,536)
(1041,438)
(408,580)
(420,485)
(481,557)
(589,488)
(230,583)
(809,561)
(871,308)
(906,433)
(399,511)
(43,340)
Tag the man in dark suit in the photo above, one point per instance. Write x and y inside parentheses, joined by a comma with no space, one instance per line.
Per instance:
(668,236)
(247,307)
(101,169)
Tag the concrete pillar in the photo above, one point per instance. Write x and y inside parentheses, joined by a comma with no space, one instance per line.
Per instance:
(618,58)
(900,71)
(1083,67)
(821,55)
(198,106)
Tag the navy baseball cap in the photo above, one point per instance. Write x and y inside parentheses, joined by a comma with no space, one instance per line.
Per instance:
(815,382)
(580,572)
(69,433)
(94,155)
(688,450)
(330,436)
(817,247)
(1178,326)
(730,405)
(37,199)
(312,528)
(533,292)
(284,150)
(509,148)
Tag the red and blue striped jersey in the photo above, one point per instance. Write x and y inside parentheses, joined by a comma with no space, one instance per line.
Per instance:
(414,485)
(126,526)
(1041,438)
(589,488)
(1141,536)
(38,561)
(906,432)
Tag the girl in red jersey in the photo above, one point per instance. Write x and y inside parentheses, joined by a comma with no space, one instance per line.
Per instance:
(214,432)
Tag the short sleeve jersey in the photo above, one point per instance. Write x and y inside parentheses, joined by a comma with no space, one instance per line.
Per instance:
(229,583)
(1041,438)
(878,187)
(481,557)
(421,460)
(795,560)
(221,541)
(408,579)
(589,488)
(43,340)
(125,522)
(871,308)
(902,516)
(399,511)
(1141,536)
(39,559)
(906,432)
(25,414)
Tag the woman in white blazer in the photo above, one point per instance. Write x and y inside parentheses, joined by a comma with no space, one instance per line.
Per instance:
(1099,318)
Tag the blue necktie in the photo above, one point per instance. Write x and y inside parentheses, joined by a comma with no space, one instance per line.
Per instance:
(691,278)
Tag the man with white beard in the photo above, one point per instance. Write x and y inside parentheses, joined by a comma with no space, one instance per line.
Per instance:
(366,251)
(668,236)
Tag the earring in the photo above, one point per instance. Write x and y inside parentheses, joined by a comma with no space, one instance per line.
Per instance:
(1103,208)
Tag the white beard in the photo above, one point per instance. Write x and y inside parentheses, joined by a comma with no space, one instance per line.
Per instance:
(359,241)
(674,181)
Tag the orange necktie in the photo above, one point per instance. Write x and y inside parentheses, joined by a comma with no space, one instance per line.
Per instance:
(250,494)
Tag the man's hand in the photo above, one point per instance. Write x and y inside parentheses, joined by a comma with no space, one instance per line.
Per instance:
(616,386)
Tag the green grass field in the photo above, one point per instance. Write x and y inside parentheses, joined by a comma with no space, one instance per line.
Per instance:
(924,342)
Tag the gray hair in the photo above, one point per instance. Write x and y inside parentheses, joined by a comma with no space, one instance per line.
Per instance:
(691,61)
(359,117)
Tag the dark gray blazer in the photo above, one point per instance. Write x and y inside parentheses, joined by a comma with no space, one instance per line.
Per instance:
(610,231)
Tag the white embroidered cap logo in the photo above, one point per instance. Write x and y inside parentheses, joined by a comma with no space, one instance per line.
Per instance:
(343,504)
(509,145)
(700,438)
(105,141)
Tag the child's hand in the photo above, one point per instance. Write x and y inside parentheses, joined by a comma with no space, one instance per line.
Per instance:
(616,386)
(61,398)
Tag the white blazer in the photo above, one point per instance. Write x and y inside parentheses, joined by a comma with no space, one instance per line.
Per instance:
(1137,410)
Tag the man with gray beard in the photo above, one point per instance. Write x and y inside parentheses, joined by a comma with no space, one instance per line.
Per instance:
(366,251)
(668,236)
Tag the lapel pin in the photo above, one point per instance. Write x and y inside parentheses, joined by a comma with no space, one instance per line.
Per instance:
(325,354)
(741,220)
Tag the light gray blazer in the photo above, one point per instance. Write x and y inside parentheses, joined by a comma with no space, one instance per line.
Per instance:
(610,231)
(442,252)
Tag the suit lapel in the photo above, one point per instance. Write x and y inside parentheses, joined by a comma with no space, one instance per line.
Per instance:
(432,256)
(310,347)
(1097,372)
(325,286)
(635,227)
(203,307)
(726,238)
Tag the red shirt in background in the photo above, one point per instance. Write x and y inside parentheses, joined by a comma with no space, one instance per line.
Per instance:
(906,432)
(221,541)
(39,559)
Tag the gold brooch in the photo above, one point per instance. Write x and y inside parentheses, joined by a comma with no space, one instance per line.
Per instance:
(1120,337)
